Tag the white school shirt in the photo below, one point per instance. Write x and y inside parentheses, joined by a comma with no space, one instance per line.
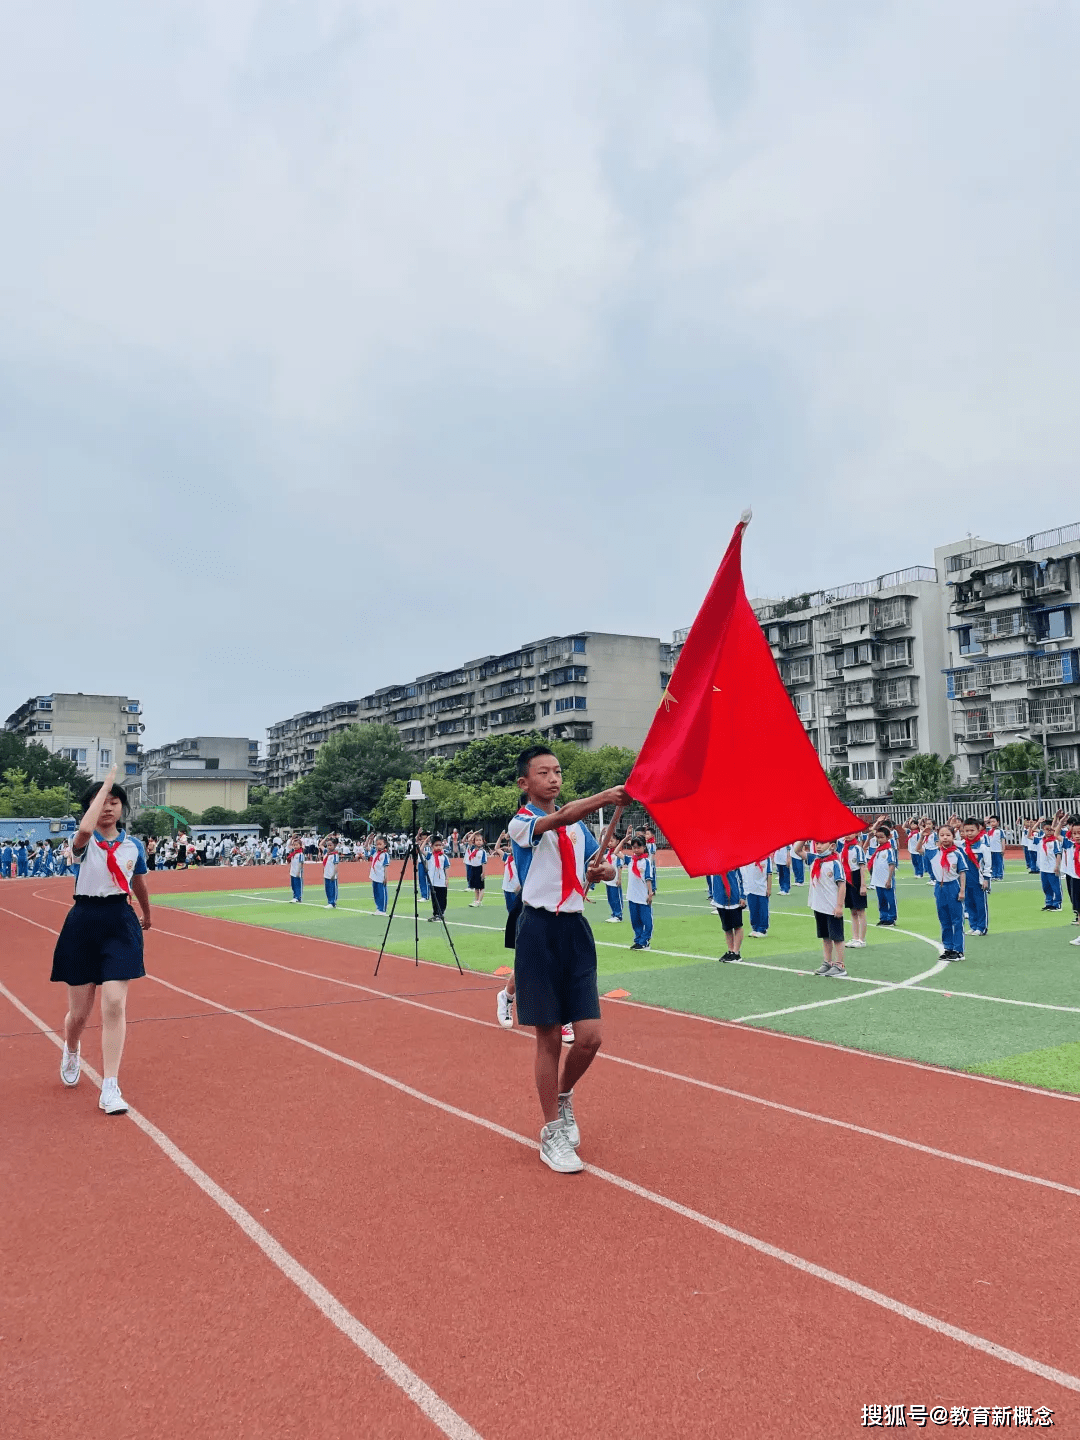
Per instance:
(856,858)
(637,892)
(946,865)
(330,864)
(476,857)
(93,877)
(755,877)
(1070,858)
(824,891)
(879,868)
(539,863)
(379,862)
(983,863)
(510,882)
(1048,852)
(296,865)
(996,841)
(1029,841)
(782,856)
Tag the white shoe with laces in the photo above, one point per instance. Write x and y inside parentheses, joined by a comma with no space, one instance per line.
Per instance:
(110,1100)
(504,1009)
(70,1065)
(568,1034)
(566,1117)
(556,1151)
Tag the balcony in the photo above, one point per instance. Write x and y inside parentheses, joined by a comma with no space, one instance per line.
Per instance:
(1016,580)
(897,694)
(890,614)
(795,637)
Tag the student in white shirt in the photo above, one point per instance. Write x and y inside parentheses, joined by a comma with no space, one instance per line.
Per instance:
(437,861)
(100,945)
(1070,867)
(995,841)
(475,860)
(882,863)
(331,858)
(782,864)
(380,859)
(639,892)
(757,887)
(296,870)
(826,899)
(511,888)
(949,876)
(1048,859)
(555,954)
(853,863)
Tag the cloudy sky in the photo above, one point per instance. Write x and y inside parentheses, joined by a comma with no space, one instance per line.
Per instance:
(344,341)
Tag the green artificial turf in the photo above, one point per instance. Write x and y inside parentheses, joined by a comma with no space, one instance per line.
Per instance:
(937,1019)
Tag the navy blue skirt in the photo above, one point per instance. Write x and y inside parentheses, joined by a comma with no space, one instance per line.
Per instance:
(555,968)
(101,940)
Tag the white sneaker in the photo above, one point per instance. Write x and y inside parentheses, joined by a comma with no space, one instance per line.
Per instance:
(566,1117)
(613,920)
(568,1034)
(110,1100)
(504,1008)
(1076,941)
(758,935)
(328,906)
(556,1151)
(294,901)
(70,1065)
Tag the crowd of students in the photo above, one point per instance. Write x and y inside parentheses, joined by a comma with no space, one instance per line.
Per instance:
(23,859)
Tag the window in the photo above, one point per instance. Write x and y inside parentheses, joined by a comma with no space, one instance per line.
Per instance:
(857,613)
(896,652)
(43,725)
(78,757)
(1010,714)
(1063,758)
(1053,624)
(133,729)
(799,634)
(44,703)
(579,649)
(860,693)
(132,707)
(772,634)
(545,707)
(309,754)
(967,642)
(977,724)
(568,675)
(570,702)
(1006,672)
(131,749)
(665,679)
(900,734)
(799,671)
(804,705)
(862,732)
(890,613)
(104,757)
(862,770)
(862,654)
(130,769)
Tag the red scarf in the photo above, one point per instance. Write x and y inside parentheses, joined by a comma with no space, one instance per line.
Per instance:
(943,860)
(969,852)
(848,845)
(635,863)
(508,865)
(1045,841)
(117,874)
(815,868)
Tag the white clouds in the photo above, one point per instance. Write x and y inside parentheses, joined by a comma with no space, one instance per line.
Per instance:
(288,281)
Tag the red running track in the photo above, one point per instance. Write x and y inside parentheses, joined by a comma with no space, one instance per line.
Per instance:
(530,1304)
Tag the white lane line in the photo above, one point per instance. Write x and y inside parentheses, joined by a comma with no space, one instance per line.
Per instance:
(421,1394)
(999,999)
(649,1069)
(752,1242)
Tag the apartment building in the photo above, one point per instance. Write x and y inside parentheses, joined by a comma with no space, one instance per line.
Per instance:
(863,665)
(594,688)
(1013,628)
(95,731)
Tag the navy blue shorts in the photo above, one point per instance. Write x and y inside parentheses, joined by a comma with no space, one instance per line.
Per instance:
(474,877)
(101,939)
(555,968)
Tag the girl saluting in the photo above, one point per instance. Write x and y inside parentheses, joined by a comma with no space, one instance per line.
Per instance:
(101,943)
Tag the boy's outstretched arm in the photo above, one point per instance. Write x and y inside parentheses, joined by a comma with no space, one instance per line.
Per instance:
(577,810)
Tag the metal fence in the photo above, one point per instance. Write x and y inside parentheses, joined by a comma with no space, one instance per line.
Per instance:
(1011,812)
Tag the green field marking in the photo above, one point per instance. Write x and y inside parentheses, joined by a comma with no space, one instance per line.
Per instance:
(991,1020)
(1057,1068)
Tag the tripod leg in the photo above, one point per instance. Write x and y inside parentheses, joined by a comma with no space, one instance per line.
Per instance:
(390,917)
(449,938)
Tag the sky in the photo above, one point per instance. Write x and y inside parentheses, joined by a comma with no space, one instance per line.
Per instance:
(342,342)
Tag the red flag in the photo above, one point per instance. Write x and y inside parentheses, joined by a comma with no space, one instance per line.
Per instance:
(727,770)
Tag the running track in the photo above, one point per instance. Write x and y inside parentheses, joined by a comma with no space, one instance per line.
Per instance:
(324,1221)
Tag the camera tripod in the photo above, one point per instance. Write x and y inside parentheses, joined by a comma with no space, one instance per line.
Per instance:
(414,856)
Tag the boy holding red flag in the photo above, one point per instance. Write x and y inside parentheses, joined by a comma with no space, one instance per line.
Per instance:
(554,953)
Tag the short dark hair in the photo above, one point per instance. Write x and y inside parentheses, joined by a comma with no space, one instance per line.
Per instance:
(527,756)
(993,817)
(117,790)
(639,840)
(969,820)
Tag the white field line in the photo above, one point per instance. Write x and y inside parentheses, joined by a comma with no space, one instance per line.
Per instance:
(842,999)
(396,1371)
(782,1035)
(525,1034)
(752,1242)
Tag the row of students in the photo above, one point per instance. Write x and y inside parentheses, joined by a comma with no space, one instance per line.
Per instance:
(19,860)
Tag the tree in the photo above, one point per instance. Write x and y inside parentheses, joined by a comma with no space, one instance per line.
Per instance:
(20,796)
(38,765)
(350,772)
(847,792)
(924,777)
(1016,768)
(218,815)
